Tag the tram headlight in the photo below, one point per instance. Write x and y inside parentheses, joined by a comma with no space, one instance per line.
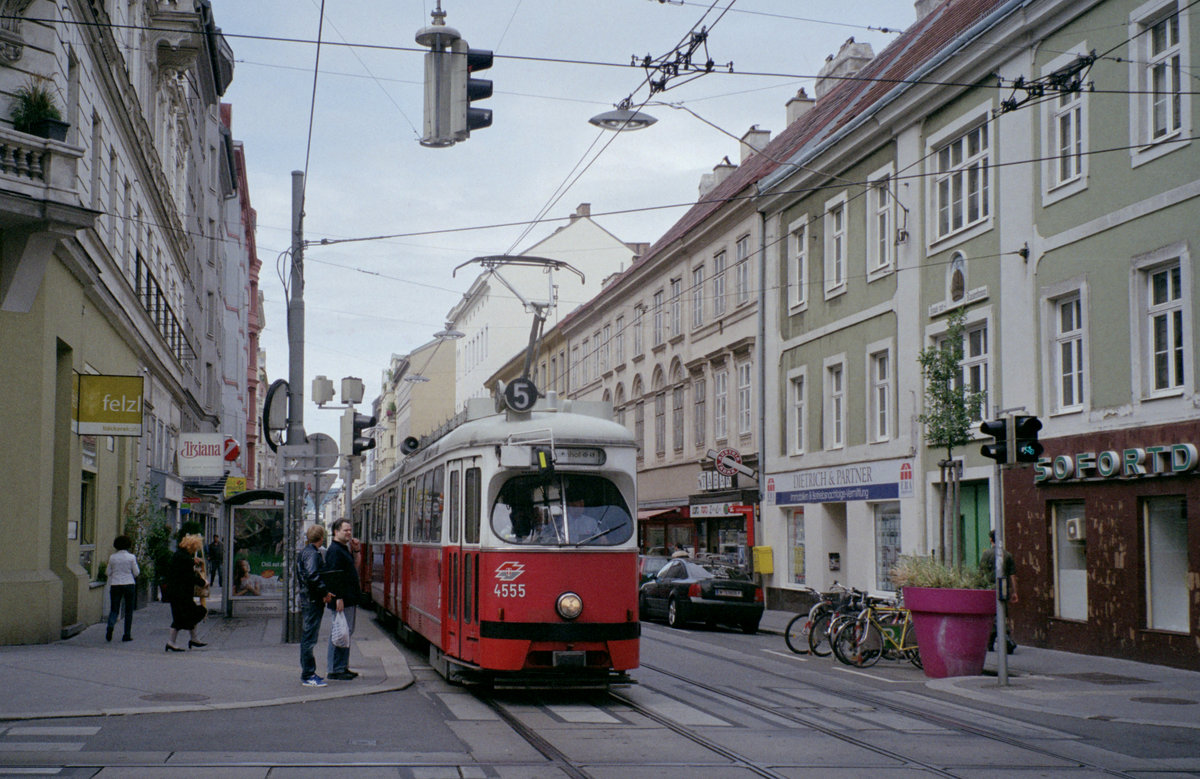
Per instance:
(569,605)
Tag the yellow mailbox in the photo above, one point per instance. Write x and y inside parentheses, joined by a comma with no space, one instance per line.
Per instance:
(763,561)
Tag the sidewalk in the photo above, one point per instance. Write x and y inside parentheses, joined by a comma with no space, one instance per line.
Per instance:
(1071,685)
(246,664)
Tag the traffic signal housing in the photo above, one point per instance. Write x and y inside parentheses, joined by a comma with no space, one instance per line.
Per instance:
(355,440)
(466,61)
(998,449)
(1025,439)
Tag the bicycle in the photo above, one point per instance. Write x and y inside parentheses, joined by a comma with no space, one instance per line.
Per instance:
(882,629)
(799,626)
(847,605)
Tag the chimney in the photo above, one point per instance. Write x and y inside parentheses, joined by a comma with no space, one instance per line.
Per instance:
(925,7)
(798,106)
(849,60)
(754,141)
(584,210)
(710,181)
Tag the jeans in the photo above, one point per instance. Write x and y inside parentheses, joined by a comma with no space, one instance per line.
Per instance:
(216,574)
(313,611)
(339,658)
(118,594)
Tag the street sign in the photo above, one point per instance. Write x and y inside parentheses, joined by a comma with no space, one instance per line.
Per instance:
(520,394)
(325,450)
(723,459)
(232,450)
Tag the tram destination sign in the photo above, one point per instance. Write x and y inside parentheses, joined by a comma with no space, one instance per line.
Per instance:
(564,455)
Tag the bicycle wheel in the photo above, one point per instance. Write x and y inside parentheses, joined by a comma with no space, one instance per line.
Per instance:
(869,647)
(818,636)
(796,635)
(843,642)
(914,656)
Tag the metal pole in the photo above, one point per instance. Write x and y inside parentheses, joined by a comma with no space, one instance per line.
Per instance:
(1001,584)
(294,512)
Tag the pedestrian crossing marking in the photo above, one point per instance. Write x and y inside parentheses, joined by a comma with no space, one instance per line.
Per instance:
(40,746)
(49,730)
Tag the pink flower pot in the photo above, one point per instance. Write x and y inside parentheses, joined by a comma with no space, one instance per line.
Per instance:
(953,627)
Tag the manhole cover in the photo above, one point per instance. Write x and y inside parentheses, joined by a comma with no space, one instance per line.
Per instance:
(175,697)
(1099,677)
(1167,701)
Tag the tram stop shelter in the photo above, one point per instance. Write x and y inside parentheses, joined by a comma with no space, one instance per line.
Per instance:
(253,569)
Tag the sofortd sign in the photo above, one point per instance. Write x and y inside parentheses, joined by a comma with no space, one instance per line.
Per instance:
(1132,463)
(201,455)
(108,405)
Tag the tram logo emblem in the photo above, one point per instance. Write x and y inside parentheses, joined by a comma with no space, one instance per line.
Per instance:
(509,570)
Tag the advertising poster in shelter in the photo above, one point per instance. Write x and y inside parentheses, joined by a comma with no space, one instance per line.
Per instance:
(258,554)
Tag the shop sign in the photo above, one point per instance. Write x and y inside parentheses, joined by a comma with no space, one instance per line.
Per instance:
(108,405)
(697,510)
(201,455)
(711,481)
(1133,463)
(882,480)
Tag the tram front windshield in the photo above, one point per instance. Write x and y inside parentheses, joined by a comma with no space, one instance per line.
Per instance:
(561,510)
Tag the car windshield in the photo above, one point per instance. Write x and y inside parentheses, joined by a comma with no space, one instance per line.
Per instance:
(531,510)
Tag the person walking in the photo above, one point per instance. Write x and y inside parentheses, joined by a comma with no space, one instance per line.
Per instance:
(123,571)
(181,584)
(315,596)
(341,578)
(216,561)
(987,567)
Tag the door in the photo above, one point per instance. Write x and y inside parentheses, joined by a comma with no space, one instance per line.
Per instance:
(468,569)
(451,596)
(976,517)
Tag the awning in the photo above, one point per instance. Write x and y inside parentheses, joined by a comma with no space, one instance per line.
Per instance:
(680,512)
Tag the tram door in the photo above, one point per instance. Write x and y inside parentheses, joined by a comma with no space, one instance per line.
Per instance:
(453,564)
(468,574)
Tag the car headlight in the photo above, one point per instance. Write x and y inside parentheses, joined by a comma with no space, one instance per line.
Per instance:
(569,605)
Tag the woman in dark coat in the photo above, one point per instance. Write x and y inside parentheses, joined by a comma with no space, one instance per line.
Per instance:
(181,583)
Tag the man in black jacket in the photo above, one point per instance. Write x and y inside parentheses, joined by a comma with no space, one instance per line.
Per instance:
(341,577)
(315,596)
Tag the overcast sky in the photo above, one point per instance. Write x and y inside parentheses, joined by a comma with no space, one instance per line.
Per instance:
(558,62)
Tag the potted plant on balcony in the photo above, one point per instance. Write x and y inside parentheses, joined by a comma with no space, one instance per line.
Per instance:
(35,111)
(953,608)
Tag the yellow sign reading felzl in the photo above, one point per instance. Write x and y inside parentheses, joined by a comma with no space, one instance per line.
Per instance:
(234,485)
(109,405)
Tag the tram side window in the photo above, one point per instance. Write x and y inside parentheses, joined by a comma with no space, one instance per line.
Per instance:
(421,508)
(410,512)
(564,509)
(401,515)
(390,507)
(438,503)
(379,525)
(455,513)
(471,500)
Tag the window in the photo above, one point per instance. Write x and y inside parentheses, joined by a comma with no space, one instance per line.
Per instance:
(1068,137)
(677,418)
(1068,353)
(574,367)
(658,317)
(698,296)
(699,410)
(637,330)
(835,407)
(660,424)
(887,544)
(1166,527)
(606,349)
(796,548)
(880,235)
(798,280)
(620,350)
(1160,108)
(1165,325)
(975,364)
(585,355)
(961,189)
(1070,561)
(745,409)
(639,427)
(553,374)
(879,405)
(720,403)
(797,409)
(719,284)
(835,246)
(676,306)
(741,271)
(596,344)
(579,509)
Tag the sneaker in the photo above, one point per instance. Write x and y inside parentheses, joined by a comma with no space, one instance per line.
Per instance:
(314,681)
(342,676)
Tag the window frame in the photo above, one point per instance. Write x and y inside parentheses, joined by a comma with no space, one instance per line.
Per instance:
(1055,186)
(837,228)
(741,270)
(1145,146)
(881,224)
(880,391)
(797,409)
(721,404)
(718,279)
(958,131)
(1142,271)
(834,403)
(677,426)
(744,371)
(1075,338)
(676,318)
(658,312)
(798,264)
(700,406)
(697,297)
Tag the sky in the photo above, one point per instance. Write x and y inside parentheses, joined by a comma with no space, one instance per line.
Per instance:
(354,130)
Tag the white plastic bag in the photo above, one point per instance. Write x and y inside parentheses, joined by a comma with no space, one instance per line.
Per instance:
(339,632)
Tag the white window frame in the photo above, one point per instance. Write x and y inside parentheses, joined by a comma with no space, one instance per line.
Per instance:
(798,265)
(745,381)
(720,262)
(660,424)
(837,222)
(620,336)
(881,382)
(678,396)
(797,379)
(881,224)
(953,133)
(1143,61)
(977,318)
(720,404)
(697,296)
(1072,341)
(639,315)
(606,350)
(676,306)
(584,355)
(741,270)
(834,401)
(1142,313)
(574,368)
(1070,108)
(700,406)
(659,314)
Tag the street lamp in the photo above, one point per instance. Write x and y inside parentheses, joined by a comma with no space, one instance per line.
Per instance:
(449,333)
(623,117)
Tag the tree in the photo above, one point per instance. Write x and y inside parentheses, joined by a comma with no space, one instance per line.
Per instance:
(949,417)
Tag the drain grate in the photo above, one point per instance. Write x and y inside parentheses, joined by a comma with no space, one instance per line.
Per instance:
(1167,701)
(1099,677)
(175,697)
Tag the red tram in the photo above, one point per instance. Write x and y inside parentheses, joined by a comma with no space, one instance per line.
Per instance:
(507,543)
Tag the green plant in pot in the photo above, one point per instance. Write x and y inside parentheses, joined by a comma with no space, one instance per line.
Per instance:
(953,608)
(35,111)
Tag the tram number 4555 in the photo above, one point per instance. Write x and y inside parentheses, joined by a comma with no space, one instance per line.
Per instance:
(509,590)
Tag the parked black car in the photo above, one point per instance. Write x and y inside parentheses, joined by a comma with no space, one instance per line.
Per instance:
(649,565)
(687,591)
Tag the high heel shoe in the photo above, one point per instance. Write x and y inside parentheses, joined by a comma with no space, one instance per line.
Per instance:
(196,644)
(170,648)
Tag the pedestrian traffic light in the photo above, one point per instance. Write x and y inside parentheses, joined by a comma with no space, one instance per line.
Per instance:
(464,90)
(998,449)
(1025,439)
(355,440)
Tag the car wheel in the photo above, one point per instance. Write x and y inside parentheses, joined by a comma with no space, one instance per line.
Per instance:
(674,614)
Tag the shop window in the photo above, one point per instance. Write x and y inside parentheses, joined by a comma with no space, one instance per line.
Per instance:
(1165,523)
(1070,560)
(887,543)
(796,547)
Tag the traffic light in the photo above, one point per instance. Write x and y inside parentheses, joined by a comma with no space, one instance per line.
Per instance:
(1025,439)
(464,90)
(998,449)
(355,440)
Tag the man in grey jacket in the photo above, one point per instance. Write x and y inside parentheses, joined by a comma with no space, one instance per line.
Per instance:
(315,595)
